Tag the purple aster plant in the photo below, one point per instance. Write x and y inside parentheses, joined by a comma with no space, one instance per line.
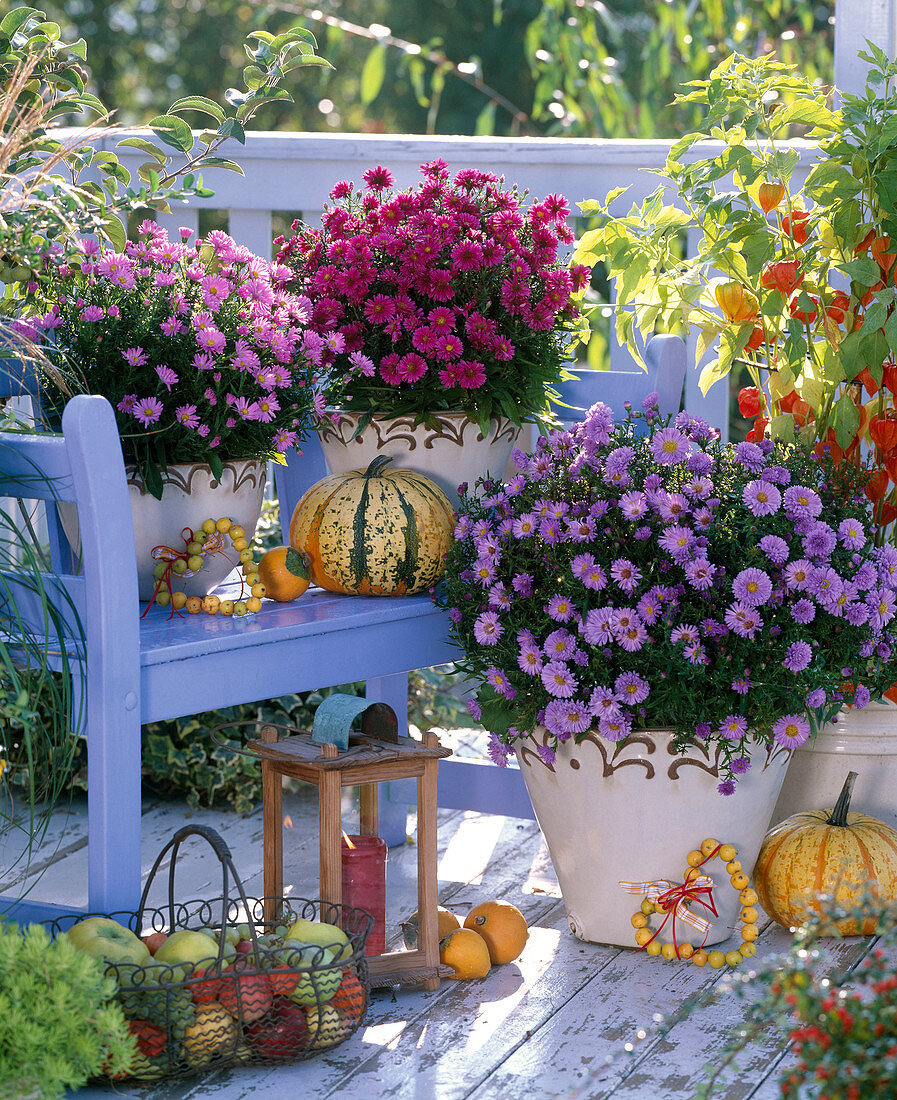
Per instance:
(718,590)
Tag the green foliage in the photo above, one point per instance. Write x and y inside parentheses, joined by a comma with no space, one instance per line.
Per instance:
(59,1022)
(613,70)
(795,290)
(48,190)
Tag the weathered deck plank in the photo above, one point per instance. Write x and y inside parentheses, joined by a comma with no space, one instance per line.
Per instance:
(552,1024)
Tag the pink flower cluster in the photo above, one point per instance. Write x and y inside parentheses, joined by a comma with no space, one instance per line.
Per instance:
(437,296)
(198,347)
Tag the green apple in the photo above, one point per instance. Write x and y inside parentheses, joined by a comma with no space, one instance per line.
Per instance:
(185,946)
(323,978)
(106,939)
(327,935)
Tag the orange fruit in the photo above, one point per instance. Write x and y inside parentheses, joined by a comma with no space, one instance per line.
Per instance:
(466,953)
(284,573)
(502,926)
(446,922)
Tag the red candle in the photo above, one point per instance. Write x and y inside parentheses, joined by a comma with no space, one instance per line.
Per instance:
(364,884)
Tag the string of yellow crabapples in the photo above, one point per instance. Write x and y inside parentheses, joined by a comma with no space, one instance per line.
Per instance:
(208,539)
(646,938)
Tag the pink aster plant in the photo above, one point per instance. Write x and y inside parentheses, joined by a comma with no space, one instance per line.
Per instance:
(642,574)
(447,296)
(197,347)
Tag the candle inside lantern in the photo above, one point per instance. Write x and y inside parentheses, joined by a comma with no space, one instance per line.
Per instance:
(364,883)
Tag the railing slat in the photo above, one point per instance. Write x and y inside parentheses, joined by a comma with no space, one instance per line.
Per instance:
(252,228)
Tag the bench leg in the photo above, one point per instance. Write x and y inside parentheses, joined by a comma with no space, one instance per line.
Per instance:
(113,811)
(393,816)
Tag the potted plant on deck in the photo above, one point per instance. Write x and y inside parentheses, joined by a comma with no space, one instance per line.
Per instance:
(795,288)
(441,317)
(655,620)
(198,350)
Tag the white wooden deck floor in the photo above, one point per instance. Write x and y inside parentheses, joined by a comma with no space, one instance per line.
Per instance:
(552,1024)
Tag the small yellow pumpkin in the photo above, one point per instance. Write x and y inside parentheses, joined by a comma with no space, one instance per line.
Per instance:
(374,532)
(834,852)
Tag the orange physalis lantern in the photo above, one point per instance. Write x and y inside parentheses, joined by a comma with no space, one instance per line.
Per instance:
(865,379)
(750,402)
(889,378)
(769,195)
(756,433)
(795,225)
(799,314)
(883,432)
(838,309)
(738,305)
(877,485)
(891,467)
(881,255)
(782,276)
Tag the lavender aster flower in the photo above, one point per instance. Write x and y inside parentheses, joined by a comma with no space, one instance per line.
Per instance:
(529,659)
(797,656)
(726,787)
(761,498)
(670,447)
(560,609)
(852,534)
(752,587)
(801,501)
(615,729)
(558,679)
(487,629)
(774,548)
(559,645)
(733,728)
(750,456)
(626,575)
(816,698)
(791,731)
(803,611)
(631,689)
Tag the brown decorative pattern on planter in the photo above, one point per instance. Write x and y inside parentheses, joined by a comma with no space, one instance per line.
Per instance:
(703,761)
(244,472)
(388,430)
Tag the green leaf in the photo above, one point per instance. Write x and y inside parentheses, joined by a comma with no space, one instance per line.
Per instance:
(231,127)
(222,162)
(116,232)
(847,420)
(17,19)
(863,269)
(173,131)
(485,124)
(373,73)
(145,147)
(199,103)
(216,466)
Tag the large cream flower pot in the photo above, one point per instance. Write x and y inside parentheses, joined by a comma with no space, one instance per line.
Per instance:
(453,452)
(863,741)
(633,811)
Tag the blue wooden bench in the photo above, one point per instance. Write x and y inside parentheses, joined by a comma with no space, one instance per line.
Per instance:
(135,670)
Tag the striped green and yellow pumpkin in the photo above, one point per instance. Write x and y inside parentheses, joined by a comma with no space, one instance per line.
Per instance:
(374,532)
(826,852)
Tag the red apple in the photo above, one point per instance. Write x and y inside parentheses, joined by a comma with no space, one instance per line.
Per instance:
(246,996)
(244,947)
(205,992)
(154,941)
(150,1039)
(282,1032)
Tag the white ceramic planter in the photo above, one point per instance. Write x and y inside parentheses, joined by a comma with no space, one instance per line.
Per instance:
(864,741)
(452,453)
(633,811)
(190,495)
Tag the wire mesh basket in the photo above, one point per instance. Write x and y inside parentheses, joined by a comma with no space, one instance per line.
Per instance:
(274,980)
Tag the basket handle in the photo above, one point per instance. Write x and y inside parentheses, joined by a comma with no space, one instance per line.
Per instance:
(228,874)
